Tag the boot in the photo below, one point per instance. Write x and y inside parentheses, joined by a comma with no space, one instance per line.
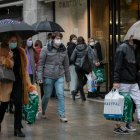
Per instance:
(18,133)
(73,93)
(89,95)
(83,97)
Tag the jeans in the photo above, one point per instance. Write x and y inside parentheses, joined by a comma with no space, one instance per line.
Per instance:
(48,85)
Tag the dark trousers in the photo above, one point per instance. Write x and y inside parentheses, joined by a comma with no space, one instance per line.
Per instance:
(82,80)
(3,107)
(41,90)
(17,100)
(31,78)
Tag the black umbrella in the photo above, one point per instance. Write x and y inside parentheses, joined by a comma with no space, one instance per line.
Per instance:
(47,26)
(12,26)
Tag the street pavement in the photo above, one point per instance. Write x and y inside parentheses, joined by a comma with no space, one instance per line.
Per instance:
(86,122)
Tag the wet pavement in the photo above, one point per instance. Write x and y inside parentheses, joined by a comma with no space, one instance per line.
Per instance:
(86,122)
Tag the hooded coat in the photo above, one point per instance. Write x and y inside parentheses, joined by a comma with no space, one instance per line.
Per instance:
(6,88)
(81,51)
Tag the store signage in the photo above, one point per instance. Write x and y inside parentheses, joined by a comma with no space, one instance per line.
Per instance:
(69,3)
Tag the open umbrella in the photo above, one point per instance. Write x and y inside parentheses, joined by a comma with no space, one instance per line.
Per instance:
(47,26)
(134,31)
(12,26)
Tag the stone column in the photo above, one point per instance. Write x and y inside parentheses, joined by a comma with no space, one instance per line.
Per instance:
(30,11)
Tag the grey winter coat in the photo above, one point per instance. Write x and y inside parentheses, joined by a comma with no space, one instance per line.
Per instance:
(81,51)
(53,63)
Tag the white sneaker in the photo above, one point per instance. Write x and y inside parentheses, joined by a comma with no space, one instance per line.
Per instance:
(130,128)
(38,115)
(63,119)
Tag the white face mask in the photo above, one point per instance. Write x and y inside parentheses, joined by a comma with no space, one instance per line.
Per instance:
(29,43)
(74,41)
(57,42)
(92,43)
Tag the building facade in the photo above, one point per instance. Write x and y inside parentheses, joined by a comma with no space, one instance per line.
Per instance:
(105,20)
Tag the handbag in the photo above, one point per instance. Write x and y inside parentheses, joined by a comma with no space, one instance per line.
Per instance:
(6,74)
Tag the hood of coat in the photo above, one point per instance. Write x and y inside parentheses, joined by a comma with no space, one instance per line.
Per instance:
(81,47)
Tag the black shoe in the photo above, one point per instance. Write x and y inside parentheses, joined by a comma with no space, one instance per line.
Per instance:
(73,93)
(83,98)
(19,133)
(121,130)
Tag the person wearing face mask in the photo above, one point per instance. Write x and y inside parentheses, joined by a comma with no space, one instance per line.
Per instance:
(95,45)
(125,79)
(74,80)
(10,57)
(53,65)
(31,59)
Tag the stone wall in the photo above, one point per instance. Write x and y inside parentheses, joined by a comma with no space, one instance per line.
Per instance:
(72,16)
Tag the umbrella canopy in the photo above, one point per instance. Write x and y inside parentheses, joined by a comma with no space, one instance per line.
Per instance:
(47,26)
(12,26)
(134,31)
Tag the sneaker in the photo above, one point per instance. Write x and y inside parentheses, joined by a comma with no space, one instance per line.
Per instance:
(63,119)
(38,115)
(121,130)
(130,128)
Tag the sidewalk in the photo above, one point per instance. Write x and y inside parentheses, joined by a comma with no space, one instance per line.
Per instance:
(67,94)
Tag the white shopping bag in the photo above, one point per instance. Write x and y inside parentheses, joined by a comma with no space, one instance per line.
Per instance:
(113,105)
(89,82)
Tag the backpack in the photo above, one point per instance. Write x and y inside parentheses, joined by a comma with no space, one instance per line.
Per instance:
(85,63)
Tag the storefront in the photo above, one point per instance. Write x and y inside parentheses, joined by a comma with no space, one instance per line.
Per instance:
(122,15)
(72,16)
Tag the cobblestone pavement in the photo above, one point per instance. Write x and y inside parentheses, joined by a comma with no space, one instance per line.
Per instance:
(86,122)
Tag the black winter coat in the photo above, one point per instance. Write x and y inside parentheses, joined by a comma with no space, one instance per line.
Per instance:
(125,70)
(70,48)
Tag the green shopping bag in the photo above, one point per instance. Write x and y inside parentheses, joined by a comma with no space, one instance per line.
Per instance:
(100,77)
(30,110)
(128,109)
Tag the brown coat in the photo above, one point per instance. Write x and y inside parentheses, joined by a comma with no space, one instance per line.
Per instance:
(6,88)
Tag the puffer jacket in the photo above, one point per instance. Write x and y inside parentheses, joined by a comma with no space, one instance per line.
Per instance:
(53,63)
(125,70)
(81,51)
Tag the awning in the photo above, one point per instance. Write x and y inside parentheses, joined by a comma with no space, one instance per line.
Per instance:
(47,1)
(18,3)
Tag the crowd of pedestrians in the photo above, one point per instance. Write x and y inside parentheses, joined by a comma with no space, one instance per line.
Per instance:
(50,66)
(46,68)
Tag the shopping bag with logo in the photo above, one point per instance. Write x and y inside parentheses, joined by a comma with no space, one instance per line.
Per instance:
(128,109)
(99,72)
(30,110)
(113,105)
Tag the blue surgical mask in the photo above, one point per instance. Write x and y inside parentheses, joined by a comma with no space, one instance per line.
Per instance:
(12,45)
